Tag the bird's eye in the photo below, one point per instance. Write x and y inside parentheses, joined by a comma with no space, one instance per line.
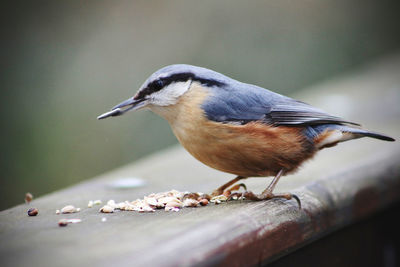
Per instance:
(159,84)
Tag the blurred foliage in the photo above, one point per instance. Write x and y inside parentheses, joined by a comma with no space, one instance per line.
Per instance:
(65,62)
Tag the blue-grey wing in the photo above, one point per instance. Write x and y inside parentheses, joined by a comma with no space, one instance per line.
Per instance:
(292,112)
(245,103)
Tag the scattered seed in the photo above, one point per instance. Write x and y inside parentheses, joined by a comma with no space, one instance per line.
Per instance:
(33,212)
(107,209)
(204,202)
(146,208)
(190,202)
(165,200)
(169,201)
(175,204)
(69,209)
(104,219)
(173,193)
(63,222)
(28,197)
(151,201)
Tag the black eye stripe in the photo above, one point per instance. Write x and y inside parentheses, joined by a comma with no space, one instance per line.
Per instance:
(158,84)
(180,77)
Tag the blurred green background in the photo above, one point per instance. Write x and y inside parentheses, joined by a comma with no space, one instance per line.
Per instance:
(65,62)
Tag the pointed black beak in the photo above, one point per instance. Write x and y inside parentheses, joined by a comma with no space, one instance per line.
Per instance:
(117,111)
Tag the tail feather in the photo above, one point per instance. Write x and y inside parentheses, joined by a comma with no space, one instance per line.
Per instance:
(327,135)
(374,135)
(362,133)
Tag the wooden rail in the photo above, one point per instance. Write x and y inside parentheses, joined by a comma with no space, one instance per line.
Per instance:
(339,187)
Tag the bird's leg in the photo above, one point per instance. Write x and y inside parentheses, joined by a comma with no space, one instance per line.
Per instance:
(271,187)
(237,187)
(220,190)
(228,192)
(267,193)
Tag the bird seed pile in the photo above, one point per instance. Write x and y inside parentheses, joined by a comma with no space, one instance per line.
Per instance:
(169,201)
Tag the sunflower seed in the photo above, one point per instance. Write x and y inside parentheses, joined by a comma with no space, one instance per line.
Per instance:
(69,209)
(107,209)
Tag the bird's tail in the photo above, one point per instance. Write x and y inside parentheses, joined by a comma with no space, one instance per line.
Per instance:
(331,134)
(361,133)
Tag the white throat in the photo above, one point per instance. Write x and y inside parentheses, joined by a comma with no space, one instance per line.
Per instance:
(170,94)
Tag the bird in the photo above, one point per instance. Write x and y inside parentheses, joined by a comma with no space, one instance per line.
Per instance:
(239,128)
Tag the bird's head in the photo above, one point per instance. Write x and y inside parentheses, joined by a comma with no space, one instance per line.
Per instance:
(165,87)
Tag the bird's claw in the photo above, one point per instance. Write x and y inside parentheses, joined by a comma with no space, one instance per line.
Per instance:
(254,197)
(228,192)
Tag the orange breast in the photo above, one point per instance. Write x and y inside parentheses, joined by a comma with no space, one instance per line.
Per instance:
(253,149)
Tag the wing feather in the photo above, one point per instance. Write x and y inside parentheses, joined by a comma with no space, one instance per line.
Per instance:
(245,103)
(299,113)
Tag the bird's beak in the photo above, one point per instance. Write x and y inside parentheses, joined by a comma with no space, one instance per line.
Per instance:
(134,104)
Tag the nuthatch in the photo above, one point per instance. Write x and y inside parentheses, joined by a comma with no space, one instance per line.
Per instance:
(239,128)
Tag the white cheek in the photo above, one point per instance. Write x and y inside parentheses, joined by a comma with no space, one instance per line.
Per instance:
(170,94)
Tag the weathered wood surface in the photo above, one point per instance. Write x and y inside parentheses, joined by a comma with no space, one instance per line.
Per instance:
(340,186)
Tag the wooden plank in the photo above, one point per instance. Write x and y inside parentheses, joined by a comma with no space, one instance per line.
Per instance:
(340,186)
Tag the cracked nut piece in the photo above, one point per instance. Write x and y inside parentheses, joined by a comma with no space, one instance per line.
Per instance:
(33,212)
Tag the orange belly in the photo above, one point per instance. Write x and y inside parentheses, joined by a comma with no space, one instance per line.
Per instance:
(250,150)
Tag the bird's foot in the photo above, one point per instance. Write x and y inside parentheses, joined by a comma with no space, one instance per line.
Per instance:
(265,196)
(228,192)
